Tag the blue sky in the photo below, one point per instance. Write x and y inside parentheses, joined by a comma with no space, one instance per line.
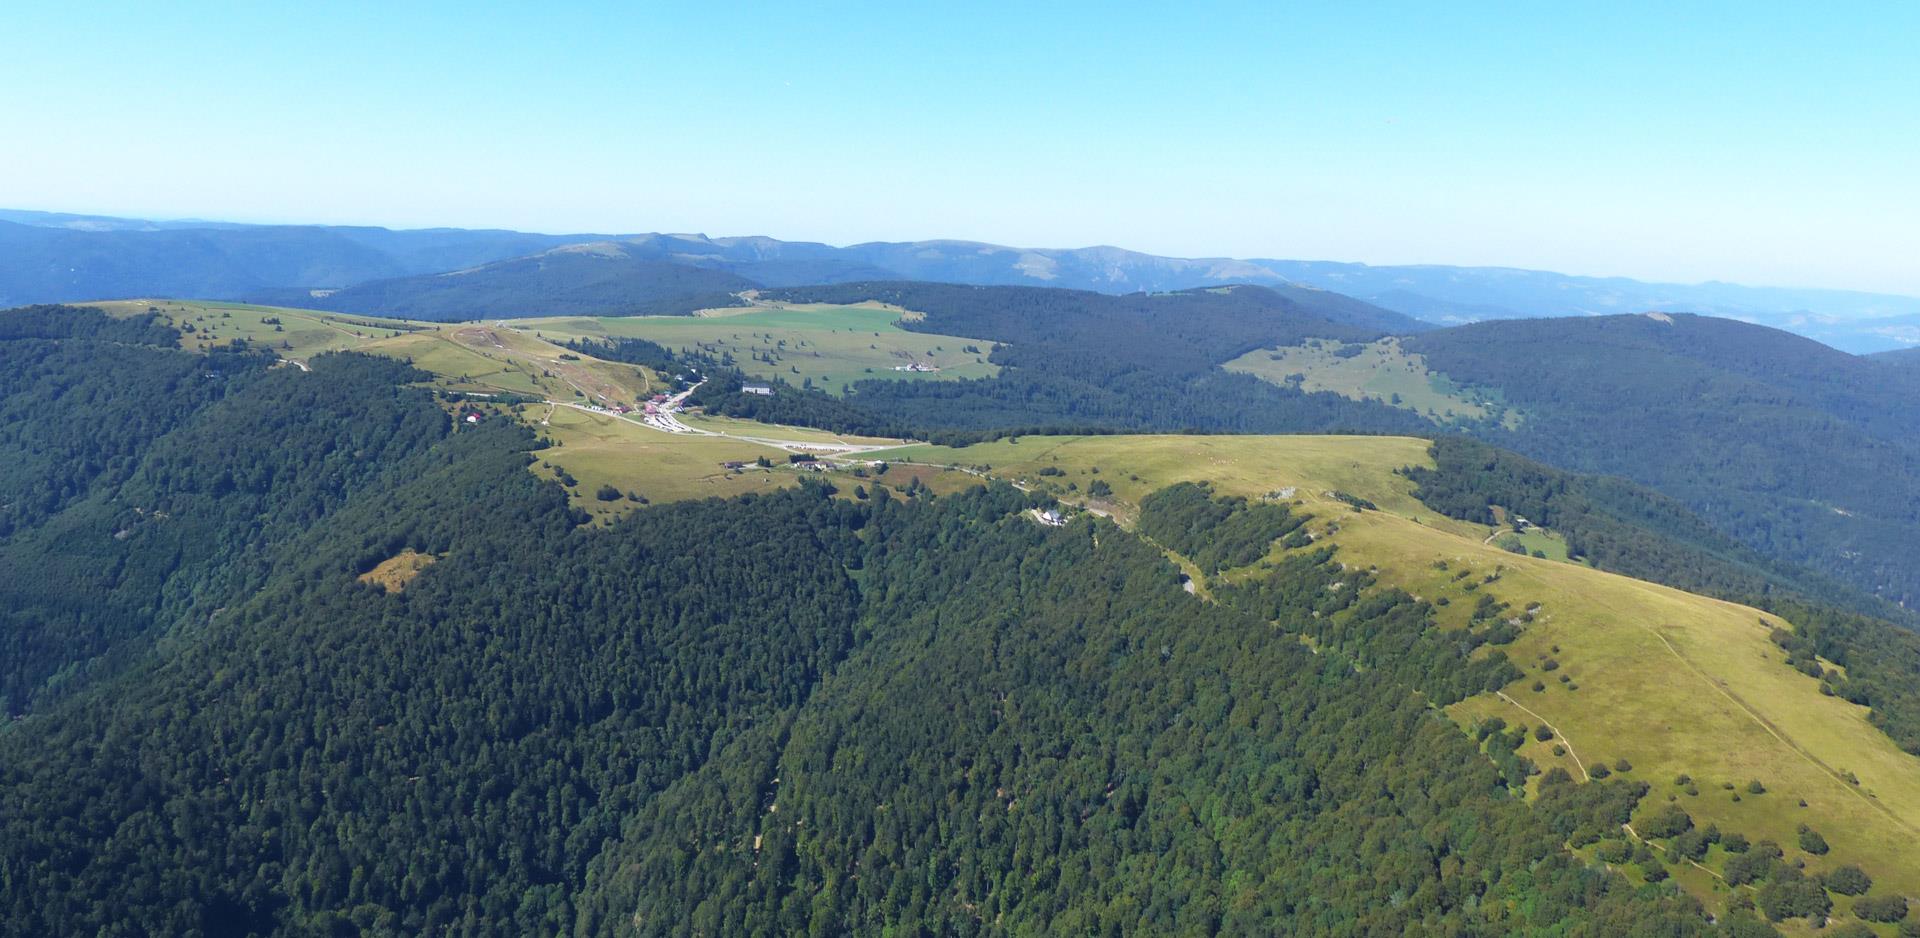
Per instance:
(1738,142)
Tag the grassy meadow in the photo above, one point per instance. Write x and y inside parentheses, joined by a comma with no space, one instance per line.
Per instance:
(1381,371)
(602,449)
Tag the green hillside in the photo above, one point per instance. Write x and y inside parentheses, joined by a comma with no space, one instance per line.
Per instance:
(1249,684)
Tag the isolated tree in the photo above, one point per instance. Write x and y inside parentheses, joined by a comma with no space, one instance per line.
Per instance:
(1812,842)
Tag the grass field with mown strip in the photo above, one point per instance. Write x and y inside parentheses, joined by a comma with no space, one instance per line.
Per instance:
(1381,371)
(740,427)
(832,345)
(1673,682)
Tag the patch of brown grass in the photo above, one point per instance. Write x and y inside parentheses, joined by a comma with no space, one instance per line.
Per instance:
(396,571)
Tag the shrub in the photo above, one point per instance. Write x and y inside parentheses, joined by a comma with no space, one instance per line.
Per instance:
(1755,788)
(1692,844)
(1542,732)
(1811,841)
(1793,896)
(1848,881)
(1744,868)
(607,493)
(1881,908)
(1622,765)
(1599,771)
(1671,822)
(1741,923)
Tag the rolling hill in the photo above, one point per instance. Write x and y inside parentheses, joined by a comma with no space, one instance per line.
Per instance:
(68,257)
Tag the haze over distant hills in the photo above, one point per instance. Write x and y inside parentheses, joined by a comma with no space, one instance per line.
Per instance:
(51,257)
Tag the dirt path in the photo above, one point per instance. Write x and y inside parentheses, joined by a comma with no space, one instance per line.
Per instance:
(1556,732)
(1583,772)
(1768,726)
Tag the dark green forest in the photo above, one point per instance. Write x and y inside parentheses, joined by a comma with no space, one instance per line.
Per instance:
(769,715)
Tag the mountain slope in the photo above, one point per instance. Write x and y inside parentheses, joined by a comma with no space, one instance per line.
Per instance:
(1808,454)
(596,279)
(1642,662)
(416,693)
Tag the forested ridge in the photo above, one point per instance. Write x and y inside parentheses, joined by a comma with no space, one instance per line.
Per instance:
(1061,740)
(606,279)
(170,478)
(768,715)
(1804,453)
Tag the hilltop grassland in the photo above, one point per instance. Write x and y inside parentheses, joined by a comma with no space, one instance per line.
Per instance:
(1377,371)
(1673,683)
(472,358)
(832,346)
(295,334)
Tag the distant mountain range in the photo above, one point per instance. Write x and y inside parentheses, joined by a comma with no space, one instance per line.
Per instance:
(52,257)
(598,278)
